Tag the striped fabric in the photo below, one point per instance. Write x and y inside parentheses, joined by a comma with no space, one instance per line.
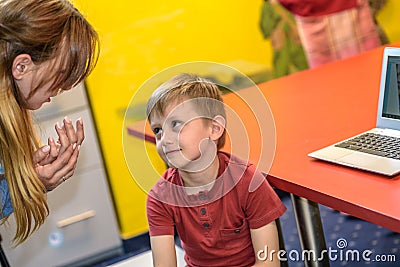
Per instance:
(338,35)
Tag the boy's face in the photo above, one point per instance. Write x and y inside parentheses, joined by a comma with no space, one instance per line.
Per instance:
(182,137)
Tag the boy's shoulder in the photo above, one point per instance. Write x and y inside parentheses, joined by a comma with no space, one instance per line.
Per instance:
(243,173)
(233,162)
(170,177)
(167,187)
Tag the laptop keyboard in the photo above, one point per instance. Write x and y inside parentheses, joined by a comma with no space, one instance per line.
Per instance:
(376,144)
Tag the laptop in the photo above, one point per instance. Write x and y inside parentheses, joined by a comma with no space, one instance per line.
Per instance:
(376,150)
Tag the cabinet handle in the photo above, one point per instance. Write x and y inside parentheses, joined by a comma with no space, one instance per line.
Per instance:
(77,218)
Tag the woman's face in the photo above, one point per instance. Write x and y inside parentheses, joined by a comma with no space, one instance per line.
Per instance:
(31,76)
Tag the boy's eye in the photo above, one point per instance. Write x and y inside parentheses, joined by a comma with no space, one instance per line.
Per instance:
(156,131)
(176,124)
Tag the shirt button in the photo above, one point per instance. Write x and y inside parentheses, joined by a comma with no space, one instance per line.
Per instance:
(203,211)
(206,225)
(202,196)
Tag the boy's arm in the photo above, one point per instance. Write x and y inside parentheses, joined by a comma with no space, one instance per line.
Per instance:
(265,240)
(163,251)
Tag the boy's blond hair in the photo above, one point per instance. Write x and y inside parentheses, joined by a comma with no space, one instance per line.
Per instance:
(205,95)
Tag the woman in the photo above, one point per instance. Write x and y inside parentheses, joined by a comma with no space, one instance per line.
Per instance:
(46,47)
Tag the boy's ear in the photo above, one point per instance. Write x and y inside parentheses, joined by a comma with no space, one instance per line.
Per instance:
(217,127)
(21,65)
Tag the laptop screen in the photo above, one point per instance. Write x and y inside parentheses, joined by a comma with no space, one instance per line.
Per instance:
(391,100)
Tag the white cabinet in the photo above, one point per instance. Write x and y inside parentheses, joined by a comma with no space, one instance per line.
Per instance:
(81,227)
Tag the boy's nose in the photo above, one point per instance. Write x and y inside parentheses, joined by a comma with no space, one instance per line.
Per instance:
(167,138)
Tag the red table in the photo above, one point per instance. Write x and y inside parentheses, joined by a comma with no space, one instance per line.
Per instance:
(319,107)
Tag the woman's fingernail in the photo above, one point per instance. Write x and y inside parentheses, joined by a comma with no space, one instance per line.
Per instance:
(73,146)
(80,121)
(66,119)
(79,147)
(46,148)
(58,125)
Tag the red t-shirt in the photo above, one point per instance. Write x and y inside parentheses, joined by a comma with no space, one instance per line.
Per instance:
(214,226)
(308,8)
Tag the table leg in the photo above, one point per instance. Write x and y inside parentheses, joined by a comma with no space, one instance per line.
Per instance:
(310,230)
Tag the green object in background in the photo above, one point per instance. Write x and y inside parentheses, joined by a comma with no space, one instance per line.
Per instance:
(279,25)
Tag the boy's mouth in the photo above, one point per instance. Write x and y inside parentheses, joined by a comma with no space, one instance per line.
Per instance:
(172,151)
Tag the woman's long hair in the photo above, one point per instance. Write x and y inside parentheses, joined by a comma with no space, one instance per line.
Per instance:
(45,30)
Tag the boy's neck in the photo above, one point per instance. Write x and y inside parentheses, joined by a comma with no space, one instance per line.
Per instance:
(201,181)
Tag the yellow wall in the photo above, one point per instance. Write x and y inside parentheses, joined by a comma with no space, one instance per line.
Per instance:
(388,18)
(141,38)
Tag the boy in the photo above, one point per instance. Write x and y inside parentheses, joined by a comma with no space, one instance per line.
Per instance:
(205,194)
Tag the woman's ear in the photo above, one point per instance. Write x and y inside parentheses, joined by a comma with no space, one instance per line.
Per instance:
(217,127)
(21,65)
